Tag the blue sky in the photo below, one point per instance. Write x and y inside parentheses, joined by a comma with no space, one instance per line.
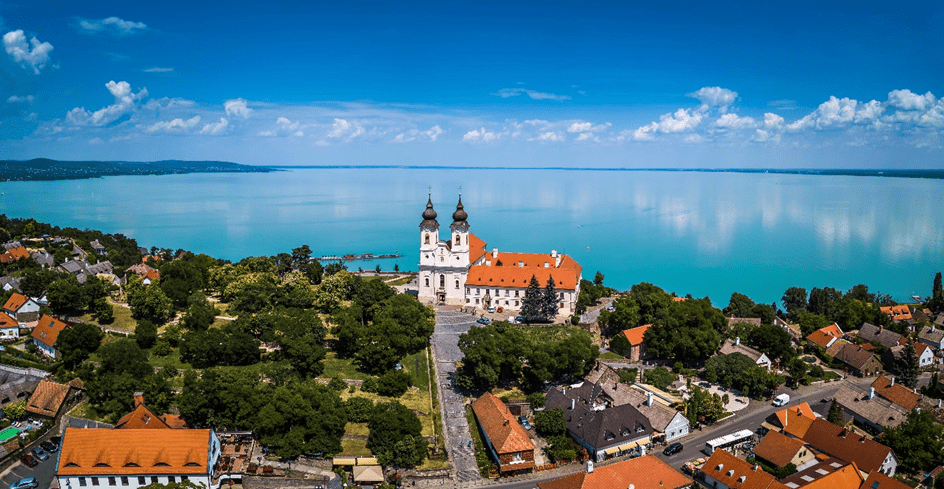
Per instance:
(575,84)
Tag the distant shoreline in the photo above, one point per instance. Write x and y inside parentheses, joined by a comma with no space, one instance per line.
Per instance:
(43,169)
(931,174)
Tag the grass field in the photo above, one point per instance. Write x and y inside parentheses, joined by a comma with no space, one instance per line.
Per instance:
(355,448)
(611,356)
(123,319)
(171,361)
(341,367)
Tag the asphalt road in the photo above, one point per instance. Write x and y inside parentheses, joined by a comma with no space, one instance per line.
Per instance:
(44,472)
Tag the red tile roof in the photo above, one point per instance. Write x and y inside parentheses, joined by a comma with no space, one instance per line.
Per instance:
(734,472)
(7,322)
(635,335)
(15,302)
(647,472)
(510,275)
(102,451)
(48,397)
(845,445)
(878,480)
(898,313)
(778,449)
(141,418)
(788,415)
(47,331)
(476,248)
(500,425)
(823,336)
(18,253)
(847,477)
(896,393)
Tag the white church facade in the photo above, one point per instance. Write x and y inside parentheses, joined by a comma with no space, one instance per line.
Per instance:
(459,270)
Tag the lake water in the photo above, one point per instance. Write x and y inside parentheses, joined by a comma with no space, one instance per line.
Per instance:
(705,234)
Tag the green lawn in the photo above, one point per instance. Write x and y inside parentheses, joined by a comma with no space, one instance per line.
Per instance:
(399,281)
(171,361)
(611,356)
(354,448)
(341,367)
(123,319)
(416,365)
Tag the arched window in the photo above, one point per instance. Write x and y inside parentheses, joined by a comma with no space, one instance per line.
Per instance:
(427,238)
(457,284)
(458,239)
(427,281)
(442,280)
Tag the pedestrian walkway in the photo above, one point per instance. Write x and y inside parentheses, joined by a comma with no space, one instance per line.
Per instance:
(450,324)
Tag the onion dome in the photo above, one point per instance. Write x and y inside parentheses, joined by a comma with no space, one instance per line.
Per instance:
(459,215)
(429,215)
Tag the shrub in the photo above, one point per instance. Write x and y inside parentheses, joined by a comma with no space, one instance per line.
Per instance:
(660,377)
(537,400)
(628,375)
(394,383)
(359,409)
(337,384)
(162,348)
(369,385)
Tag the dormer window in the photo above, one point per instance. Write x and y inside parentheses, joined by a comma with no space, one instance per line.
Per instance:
(102,464)
(131,464)
(162,464)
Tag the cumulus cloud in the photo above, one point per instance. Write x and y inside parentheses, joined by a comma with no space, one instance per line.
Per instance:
(17,99)
(772,121)
(342,129)
(113,25)
(831,113)
(215,128)
(549,136)
(580,127)
(175,125)
(683,120)
(125,103)
(908,100)
(480,135)
(237,108)
(715,96)
(415,134)
(535,95)
(733,121)
(34,55)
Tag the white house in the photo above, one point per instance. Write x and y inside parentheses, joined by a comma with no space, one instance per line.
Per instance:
(21,308)
(9,328)
(734,346)
(46,333)
(129,459)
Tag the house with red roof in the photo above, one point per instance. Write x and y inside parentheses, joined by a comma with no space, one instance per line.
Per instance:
(46,333)
(637,343)
(897,313)
(459,270)
(648,472)
(506,440)
(825,337)
(23,309)
(9,327)
(14,254)
(724,470)
(142,418)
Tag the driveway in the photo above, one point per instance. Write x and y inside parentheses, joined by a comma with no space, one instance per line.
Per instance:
(450,323)
(44,473)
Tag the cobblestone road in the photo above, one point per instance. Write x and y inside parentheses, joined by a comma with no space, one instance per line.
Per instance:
(451,323)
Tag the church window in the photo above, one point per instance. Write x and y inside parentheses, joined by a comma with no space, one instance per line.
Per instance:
(476,301)
(458,240)
(427,281)
(442,280)
(427,238)
(457,284)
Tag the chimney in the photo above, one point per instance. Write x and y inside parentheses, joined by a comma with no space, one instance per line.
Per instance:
(506,423)
(871,392)
(557,262)
(755,467)
(553,253)
(649,399)
(573,402)
(589,466)
(843,433)
(737,340)
(892,381)
(138,398)
(494,252)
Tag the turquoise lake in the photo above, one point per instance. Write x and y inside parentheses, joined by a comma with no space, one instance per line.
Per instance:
(704,234)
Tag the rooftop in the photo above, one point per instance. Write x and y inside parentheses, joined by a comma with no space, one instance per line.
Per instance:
(648,472)
(100,451)
(778,449)
(500,425)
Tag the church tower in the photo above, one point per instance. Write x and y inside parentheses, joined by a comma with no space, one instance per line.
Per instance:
(460,234)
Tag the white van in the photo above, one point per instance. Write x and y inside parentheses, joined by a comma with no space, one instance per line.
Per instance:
(781,400)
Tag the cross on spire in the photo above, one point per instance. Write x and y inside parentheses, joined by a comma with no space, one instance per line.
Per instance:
(430,189)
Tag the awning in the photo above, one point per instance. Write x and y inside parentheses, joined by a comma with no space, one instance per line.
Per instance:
(367,461)
(769,426)
(344,461)
(611,451)
(628,446)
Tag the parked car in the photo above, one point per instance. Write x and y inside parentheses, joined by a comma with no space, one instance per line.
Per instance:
(483,321)
(28,483)
(672,449)
(40,454)
(49,446)
(57,440)
(29,460)
(492,309)
(524,422)
(781,400)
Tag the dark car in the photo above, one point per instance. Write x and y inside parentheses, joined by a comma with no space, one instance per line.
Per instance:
(524,422)
(40,454)
(483,321)
(57,440)
(49,446)
(672,449)
(29,460)
(28,483)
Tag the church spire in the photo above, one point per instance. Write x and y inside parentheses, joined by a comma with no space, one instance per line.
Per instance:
(429,215)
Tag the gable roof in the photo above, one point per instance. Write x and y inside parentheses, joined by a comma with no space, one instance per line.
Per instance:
(510,275)
(897,313)
(847,477)
(47,330)
(877,410)
(845,445)
(787,415)
(896,393)
(142,418)
(476,248)
(648,472)
(15,302)
(7,322)
(48,397)
(878,480)
(778,449)
(102,451)
(797,426)
(506,435)
(854,356)
(599,428)
(636,335)
(735,346)
(734,472)
(824,337)
(885,336)
(659,415)
(928,333)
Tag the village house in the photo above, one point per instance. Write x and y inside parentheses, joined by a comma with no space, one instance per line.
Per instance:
(49,398)
(810,473)
(147,273)
(848,476)
(14,254)
(923,352)
(459,270)
(839,442)
(725,471)
(787,416)
(17,383)
(878,480)
(10,283)
(734,346)
(648,472)
(897,313)
(9,328)
(901,395)
(637,343)
(506,441)
(829,339)
(46,333)
(142,418)
(887,337)
(43,257)
(129,459)
(781,450)
(859,361)
(98,248)
(793,329)
(868,409)
(23,309)
(932,335)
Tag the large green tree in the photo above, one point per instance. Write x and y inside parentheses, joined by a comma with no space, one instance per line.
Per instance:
(917,442)
(906,366)
(936,302)
(625,315)
(550,422)
(395,435)
(76,343)
(180,279)
(549,301)
(531,309)
(794,301)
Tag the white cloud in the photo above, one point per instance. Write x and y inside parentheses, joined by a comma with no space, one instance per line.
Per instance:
(34,57)
(535,95)
(833,112)
(580,127)
(17,99)
(772,121)
(414,134)
(763,136)
(693,138)
(480,135)
(115,25)
(908,100)
(342,129)
(174,125)
(868,112)
(237,108)
(125,102)
(715,96)
(587,136)
(549,136)
(732,121)
(167,103)
(433,132)
(158,69)
(215,128)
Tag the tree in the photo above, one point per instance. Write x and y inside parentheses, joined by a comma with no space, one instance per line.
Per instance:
(536,400)
(740,372)
(550,422)
(15,410)
(359,409)
(660,377)
(825,301)
(394,383)
(401,326)
(810,322)
(148,302)
(390,423)
(625,315)
(124,370)
(66,295)
(104,311)
(296,419)
(794,301)
(200,315)
(145,334)
(906,366)
(180,279)
(936,303)
(619,343)
(739,306)
(531,309)
(703,406)
(917,442)
(687,330)
(835,415)
(493,354)
(549,302)
(598,279)
(78,342)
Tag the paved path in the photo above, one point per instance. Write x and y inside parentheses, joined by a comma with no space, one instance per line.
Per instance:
(451,323)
